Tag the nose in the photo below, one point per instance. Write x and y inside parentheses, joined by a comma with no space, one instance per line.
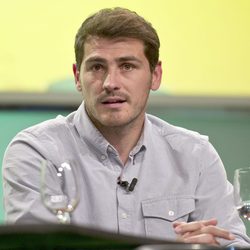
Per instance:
(111,81)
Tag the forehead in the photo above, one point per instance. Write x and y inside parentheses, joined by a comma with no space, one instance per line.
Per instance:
(98,46)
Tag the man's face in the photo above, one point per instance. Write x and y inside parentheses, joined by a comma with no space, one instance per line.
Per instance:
(115,80)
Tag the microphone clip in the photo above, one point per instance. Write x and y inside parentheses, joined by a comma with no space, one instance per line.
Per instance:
(125,184)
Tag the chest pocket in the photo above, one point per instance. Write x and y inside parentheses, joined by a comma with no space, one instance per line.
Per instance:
(159,214)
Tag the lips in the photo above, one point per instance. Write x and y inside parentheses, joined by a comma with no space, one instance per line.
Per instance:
(113,100)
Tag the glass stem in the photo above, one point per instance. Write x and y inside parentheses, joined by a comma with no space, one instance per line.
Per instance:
(63,217)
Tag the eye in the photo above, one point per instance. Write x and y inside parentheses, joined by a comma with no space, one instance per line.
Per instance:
(127,66)
(97,67)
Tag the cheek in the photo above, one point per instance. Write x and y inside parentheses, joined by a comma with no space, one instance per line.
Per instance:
(141,86)
(91,88)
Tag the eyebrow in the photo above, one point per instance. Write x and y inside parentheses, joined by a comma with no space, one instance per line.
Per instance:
(120,59)
(129,58)
(95,59)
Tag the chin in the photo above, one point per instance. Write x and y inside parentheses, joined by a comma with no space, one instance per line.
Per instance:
(114,122)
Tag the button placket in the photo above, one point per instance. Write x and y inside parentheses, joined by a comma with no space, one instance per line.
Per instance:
(124,221)
(124,215)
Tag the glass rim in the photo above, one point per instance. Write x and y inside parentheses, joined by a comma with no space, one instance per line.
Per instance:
(246,169)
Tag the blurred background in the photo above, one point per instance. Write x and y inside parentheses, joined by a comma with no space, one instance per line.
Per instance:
(205,52)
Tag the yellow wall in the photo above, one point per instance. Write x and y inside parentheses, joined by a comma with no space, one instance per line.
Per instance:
(205,44)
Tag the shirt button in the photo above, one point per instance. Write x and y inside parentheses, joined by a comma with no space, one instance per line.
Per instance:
(103,157)
(124,216)
(171,213)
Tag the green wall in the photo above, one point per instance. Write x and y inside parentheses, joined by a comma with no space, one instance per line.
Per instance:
(229,130)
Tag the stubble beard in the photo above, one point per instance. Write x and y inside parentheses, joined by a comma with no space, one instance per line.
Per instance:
(116,121)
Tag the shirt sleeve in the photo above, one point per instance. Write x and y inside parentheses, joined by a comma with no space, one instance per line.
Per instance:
(214,197)
(21,182)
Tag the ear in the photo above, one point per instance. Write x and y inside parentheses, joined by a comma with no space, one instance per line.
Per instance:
(77,78)
(156,77)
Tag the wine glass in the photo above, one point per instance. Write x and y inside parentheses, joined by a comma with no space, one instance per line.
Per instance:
(59,189)
(242,191)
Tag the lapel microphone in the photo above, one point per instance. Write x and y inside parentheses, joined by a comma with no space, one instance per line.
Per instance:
(125,184)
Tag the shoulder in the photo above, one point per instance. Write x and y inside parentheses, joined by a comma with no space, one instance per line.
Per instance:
(45,139)
(185,146)
(45,135)
(180,139)
(49,128)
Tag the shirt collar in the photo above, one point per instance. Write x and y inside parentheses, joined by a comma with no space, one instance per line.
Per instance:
(88,132)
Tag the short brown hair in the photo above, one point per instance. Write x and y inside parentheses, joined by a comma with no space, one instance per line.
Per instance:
(118,22)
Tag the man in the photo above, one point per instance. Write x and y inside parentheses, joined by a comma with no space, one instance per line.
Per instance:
(181,182)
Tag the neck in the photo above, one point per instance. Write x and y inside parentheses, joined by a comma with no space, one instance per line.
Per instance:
(123,139)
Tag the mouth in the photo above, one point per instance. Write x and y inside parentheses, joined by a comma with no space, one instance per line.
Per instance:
(114,102)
